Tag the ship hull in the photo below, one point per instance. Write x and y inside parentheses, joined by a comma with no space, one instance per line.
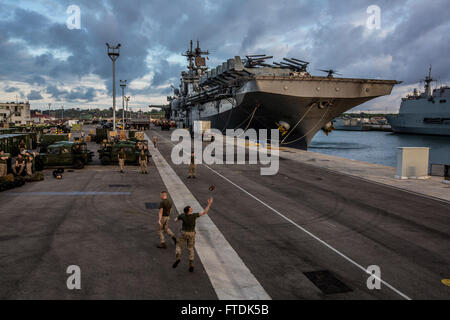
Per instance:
(266,110)
(415,124)
(352,128)
(306,104)
(343,125)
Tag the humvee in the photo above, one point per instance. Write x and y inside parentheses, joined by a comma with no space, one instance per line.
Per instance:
(109,154)
(49,139)
(64,154)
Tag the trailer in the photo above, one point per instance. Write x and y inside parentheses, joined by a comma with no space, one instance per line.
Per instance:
(203,129)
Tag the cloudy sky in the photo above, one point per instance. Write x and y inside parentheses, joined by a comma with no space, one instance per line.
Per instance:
(43,61)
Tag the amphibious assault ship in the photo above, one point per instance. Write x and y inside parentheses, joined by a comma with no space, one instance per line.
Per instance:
(424,113)
(251,93)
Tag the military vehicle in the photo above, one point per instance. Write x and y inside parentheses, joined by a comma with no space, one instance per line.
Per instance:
(109,154)
(165,125)
(9,143)
(101,134)
(64,154)
(252,93)
(49,139)
(136,136)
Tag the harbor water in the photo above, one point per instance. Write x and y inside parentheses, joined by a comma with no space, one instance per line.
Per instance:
(379,147)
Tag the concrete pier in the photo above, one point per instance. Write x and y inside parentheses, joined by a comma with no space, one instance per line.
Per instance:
(319,214)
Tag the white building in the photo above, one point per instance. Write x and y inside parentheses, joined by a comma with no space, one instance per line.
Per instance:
(39,118)
(17,113)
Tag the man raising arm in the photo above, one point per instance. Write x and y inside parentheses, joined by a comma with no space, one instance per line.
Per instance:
(188,233)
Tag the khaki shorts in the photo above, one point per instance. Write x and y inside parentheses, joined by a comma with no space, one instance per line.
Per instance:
(143,165)
(122,164)
(164,227)
(3,170)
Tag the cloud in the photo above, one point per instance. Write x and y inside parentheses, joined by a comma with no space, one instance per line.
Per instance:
(37,49)
(11,89)
(78,94)
(34,95)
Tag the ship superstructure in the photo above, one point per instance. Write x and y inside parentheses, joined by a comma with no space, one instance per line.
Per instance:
(427,112)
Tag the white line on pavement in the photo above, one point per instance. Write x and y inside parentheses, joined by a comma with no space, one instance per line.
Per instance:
(229,276)
(307,232)
(310,234)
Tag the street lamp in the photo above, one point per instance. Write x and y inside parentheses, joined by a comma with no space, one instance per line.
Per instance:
(113,53)
(123,84)
(128,99)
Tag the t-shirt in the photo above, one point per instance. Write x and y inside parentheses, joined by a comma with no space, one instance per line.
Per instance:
(189,221)
(192,159)
(166,205)
(3,161)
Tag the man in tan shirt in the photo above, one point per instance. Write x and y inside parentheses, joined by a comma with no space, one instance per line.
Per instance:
(192,167)
(122,157)
(143,159)
(29,163)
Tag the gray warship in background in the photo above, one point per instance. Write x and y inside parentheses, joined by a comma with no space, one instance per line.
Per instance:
(250,93)
(424,113)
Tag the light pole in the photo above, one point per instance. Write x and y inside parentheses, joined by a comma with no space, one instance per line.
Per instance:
(113,53)
(150,113)
(128,99)
(123,84)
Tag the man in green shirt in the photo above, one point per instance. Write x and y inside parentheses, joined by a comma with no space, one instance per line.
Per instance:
(104,144)
(188,233)
(165,207)
(19,166)
(3,164)
(122,157)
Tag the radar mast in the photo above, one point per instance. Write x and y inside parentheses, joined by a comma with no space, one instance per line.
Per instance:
(428,80)
(197,63)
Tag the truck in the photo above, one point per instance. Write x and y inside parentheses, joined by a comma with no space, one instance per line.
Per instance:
(49,139)
(165,125)
(64,154)
(10,143)
(101,134)
(203,129)
(70,123)
(109,153)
